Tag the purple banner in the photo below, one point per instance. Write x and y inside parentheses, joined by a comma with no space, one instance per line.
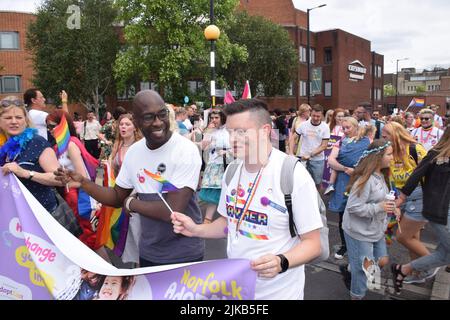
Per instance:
(327,170)
(42,261)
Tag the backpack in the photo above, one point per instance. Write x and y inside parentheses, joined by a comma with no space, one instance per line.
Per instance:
(287,186)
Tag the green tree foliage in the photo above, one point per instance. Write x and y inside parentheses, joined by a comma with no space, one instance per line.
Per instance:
(77,59)
(388,90)
(165,43)
(272,59)
(421,89)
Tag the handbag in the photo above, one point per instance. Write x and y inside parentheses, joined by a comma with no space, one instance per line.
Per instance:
(65,216)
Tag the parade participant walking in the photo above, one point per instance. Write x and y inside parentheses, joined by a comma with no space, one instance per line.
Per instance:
(89,135)
(253,212)
(434,171)
(407,155)
(315,135)
(427,134)
(163,165)
(303,115)
(217,143)
(365,216)
(342,159)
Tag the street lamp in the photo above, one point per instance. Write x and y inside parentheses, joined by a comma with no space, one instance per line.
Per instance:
(212,33)
(308,49)
(396,81)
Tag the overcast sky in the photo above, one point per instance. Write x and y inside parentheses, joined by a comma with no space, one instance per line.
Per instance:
(414,29)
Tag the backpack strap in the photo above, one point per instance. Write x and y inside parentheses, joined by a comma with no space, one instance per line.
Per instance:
(287,187)
(413,152)
(230,171)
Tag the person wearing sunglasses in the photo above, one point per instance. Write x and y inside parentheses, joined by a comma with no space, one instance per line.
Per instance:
(163,169)
(427,134)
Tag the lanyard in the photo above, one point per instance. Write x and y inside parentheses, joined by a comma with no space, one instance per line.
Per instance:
(422,140)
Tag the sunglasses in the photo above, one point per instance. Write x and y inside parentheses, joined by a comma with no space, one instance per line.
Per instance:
(425,119)
(7,103)
(50,127)
(162,115)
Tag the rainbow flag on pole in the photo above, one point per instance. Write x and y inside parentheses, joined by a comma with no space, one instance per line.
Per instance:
(166,185)
(62,135)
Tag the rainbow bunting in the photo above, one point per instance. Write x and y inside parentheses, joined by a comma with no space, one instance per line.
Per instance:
(113,223)
(166,185)
(62,135)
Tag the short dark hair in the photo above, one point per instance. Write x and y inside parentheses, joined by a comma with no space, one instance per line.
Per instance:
(223,117)
(255,106)
(317,108)
(277,112)
(292,110)
(28,95)
(118,111)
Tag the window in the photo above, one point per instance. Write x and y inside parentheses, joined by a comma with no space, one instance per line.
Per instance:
(9,40)
(192,87)
(328,56)
(302,53)
(312,56)
(302,88)
(290,90)
(10,84)
(327,88)
(379,70)
(127,94)
(377,94)
(145,86)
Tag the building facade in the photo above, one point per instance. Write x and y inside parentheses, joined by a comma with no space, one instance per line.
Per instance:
(16,70)
(344,69)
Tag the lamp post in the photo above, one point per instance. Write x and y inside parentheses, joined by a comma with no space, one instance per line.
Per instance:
(212,33)
(308,49)
(396,81)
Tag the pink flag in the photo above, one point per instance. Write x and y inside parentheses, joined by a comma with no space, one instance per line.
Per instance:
(247,94)
(228,98)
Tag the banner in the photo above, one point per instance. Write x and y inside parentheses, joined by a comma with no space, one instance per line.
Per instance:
(326,169)
(40,260)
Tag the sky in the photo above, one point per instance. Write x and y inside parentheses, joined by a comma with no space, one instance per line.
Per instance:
(398,29)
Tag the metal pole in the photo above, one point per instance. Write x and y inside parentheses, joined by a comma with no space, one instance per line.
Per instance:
(212,57)
(396,85)
(308,49)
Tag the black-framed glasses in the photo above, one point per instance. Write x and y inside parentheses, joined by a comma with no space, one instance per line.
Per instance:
(7,103)
(162,115)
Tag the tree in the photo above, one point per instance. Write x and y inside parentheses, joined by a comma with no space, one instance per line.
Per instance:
(272,59)
(78,59)
(421,89)
(389,90)
(165,42)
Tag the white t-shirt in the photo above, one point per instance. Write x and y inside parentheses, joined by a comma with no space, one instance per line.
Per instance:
(266,228)
(438,120)
(187,123)
(427,138)
(177,161)
(38,118)
(220,139)
(312,138)
(90,130)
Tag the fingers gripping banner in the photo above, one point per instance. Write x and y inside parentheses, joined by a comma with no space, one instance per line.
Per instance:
(40,260)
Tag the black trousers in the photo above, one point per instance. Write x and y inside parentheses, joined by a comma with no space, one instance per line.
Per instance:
(92,147)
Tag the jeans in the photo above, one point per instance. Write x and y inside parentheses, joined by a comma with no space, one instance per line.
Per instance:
(357,251)
(441,256)
(315,169)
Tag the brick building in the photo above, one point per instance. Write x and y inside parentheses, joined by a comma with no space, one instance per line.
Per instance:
(344,70)
(16,68)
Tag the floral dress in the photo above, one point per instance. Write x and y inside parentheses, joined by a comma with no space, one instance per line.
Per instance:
(109,130)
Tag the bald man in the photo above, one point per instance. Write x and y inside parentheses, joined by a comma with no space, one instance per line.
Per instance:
(161,155)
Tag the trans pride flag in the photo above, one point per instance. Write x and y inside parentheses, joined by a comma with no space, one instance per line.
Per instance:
(113,223)
(62,135)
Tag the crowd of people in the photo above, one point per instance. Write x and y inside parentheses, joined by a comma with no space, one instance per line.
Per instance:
(167,158)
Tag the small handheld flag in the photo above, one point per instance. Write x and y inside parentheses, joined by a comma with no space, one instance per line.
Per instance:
(166,185)
(62,135)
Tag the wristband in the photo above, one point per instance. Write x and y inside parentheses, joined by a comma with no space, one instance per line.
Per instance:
(127,203)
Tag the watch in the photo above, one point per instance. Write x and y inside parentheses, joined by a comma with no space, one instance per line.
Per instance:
(284,263)
(31,173)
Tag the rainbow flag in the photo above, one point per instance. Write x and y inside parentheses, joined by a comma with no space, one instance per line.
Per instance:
(247,94)
(113,223)
(62,135)
(417,102)
(166,185)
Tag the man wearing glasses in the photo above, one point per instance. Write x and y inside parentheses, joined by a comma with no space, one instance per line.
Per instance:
(162,165)
(427,134)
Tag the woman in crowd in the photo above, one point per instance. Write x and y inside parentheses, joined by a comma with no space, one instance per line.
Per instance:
(342,159)
(304,111)
(364,221)
(434,171)
(335,130)
(26,154)
(407,156)
(409,120)
(216,141)
(329,115)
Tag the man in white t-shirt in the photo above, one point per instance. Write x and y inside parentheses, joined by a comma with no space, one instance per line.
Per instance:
(438,121)
(89,134)
(315,135)
(261,233)
(427,134)
(162,164)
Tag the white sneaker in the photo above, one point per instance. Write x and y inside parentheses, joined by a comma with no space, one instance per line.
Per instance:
(373,274)
(329,189)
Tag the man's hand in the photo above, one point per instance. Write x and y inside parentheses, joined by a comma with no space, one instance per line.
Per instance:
(65,176)
(306,157)
(63,96)
(183,224)
(267,266)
